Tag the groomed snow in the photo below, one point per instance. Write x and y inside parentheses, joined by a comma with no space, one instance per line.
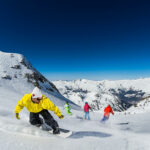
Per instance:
(121,132)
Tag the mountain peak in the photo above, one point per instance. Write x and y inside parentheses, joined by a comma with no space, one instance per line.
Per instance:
(16,68)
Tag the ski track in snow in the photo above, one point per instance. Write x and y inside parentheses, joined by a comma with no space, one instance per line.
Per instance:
(120,132)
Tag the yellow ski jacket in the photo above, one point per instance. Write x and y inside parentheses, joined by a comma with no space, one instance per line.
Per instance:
(45,103)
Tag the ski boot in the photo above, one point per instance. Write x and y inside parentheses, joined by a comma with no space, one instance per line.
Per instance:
(56,130)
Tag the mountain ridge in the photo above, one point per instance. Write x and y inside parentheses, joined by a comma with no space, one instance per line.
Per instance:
(121,94)
(18,74)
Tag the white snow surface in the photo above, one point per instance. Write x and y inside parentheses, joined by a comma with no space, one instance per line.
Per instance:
(14,69)
(83,90)
(121,132)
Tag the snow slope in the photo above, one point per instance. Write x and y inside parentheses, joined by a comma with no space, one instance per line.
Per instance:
(17,74)
(121,132)
(142,106)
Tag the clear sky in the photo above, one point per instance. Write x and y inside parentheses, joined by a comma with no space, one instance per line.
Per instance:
(96,39)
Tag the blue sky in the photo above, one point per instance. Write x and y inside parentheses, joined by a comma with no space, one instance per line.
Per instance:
(79,39)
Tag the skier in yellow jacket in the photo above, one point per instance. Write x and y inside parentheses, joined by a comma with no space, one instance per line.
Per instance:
(38,104)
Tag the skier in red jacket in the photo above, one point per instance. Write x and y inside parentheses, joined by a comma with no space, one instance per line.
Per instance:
(86,110)
(107,111)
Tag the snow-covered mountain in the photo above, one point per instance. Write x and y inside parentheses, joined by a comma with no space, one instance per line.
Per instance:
(140,107)
(121,94)
(18,75)
(122,132)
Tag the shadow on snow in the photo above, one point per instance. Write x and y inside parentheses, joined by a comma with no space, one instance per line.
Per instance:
(82,134)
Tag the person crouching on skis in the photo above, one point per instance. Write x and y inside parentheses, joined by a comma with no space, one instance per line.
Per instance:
(38,104)
(86,110)
(107,111)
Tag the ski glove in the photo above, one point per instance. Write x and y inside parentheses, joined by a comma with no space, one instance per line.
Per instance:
(17,115)
(61,117)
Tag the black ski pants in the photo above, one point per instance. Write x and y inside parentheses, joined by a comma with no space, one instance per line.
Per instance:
(49,120)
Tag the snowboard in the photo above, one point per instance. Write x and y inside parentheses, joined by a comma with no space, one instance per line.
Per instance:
(64,133)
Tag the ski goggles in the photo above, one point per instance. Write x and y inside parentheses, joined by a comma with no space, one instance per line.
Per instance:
(38,99)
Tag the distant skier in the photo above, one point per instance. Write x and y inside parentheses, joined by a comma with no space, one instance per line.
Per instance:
(38,104)
(107,111)
(68,108)
(86,110)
